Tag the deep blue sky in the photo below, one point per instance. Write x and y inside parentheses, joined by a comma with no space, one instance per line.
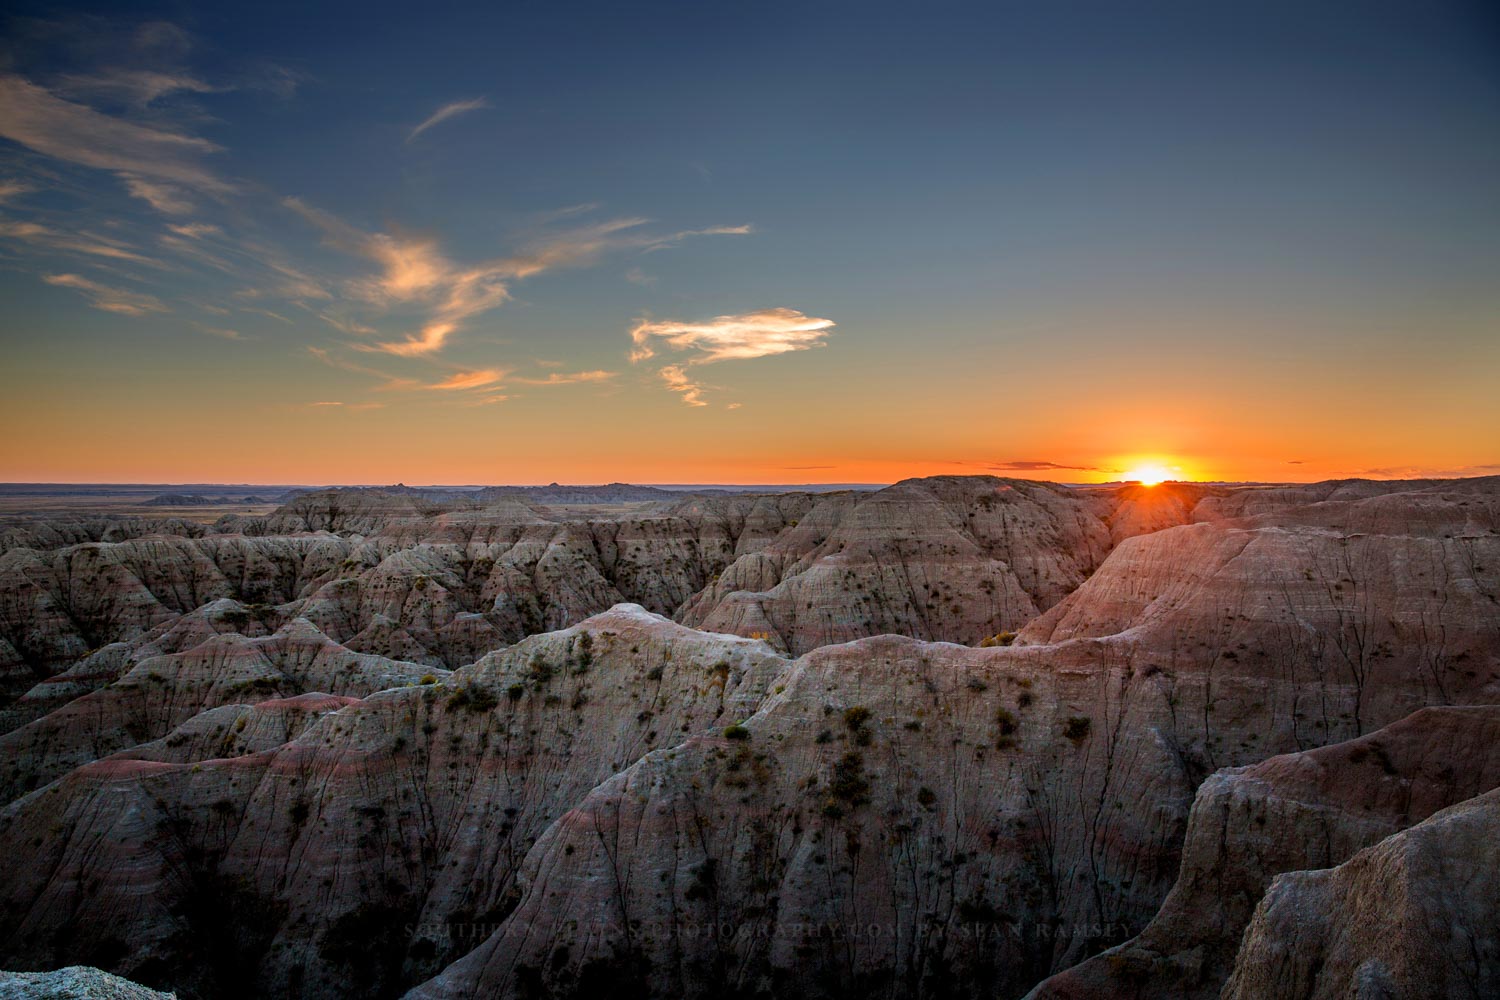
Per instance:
(1219,203)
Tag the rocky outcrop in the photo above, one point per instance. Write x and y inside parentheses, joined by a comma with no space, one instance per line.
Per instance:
(902,819)
(955,559)
(1415,915)
(1302,811)
(375,844)
(608,800)
(1329,621)
(162,692)
(73,983)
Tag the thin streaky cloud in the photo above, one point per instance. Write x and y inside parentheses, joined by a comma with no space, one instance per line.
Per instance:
(568,378)
(41,121)
(10,190)
(108,299)
(165,198)
(224,333)
(196,230)
(84,243)
(140,87)
(470,380)
(447,111)
(384,380)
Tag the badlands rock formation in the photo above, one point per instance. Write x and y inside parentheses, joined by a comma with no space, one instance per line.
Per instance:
(953,739)
(1290,814)
(73,983)
(1412,916)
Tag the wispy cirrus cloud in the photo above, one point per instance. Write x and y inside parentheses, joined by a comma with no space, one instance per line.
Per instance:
(165,198)
(414,270)
(12,189)
(38,119)
(447,111)
(384,380)
(567,378)
(196,230)
(90,244)
(137,87)
(678,381)
(740,337)
(470,380)
(114,300)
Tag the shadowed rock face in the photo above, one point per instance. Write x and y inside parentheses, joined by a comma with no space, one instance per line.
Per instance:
(280,790)
(1412,916)
(1301,811)
(384,828)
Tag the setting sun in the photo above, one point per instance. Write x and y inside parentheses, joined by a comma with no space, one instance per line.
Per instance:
(1149,475)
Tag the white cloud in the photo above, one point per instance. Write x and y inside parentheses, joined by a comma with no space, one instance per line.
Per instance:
(728,338)
(447,111)
(724,338)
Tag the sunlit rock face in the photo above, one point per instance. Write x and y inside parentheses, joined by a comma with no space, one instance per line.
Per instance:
(368,744)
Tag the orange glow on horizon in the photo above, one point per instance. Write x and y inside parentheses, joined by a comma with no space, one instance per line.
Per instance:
(1153,473)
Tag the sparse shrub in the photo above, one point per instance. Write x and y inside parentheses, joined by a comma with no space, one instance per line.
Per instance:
(926,797)
(1005,721)
(857,717)
(1077,727)
(428,679)
(848,783)
(736,732)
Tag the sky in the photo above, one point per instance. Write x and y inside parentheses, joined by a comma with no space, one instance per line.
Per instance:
(752,243)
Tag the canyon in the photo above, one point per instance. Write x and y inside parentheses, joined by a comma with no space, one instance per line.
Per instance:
(957,737)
